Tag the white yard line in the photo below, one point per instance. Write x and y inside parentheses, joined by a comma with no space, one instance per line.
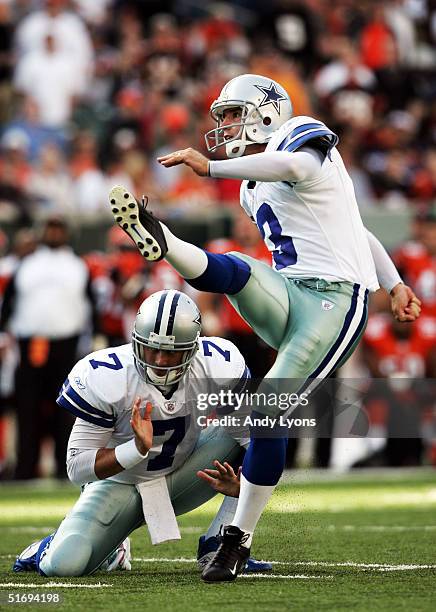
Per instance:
(195,529)
(27,529)
(379,567)
(284,577)
(382,567)
(391,567)
(192,529)
(163,560)
(375,528)
(405,568)
(396,528)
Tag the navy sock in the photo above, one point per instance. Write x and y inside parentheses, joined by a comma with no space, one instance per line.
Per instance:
(264,460)
(224,274)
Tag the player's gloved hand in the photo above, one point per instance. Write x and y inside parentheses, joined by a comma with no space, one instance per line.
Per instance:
(405,306)
(223,479)
(142,426)
(192,158)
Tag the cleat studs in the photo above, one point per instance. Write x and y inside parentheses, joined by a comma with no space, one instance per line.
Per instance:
(155,249)
(125,225)
(119,219)
(146,254)
(149,241)
(140,245)
(131,205)
(112,201)
(123,208)
(126,196)
(133,216)
(115,210)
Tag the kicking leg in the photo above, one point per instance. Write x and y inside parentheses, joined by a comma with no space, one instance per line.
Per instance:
(255,290)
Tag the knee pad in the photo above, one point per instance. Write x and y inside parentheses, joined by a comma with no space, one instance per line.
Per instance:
(69,557)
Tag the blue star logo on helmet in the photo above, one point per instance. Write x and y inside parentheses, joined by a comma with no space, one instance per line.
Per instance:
(271,96)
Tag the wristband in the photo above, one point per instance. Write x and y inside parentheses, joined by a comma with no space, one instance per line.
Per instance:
(128,455)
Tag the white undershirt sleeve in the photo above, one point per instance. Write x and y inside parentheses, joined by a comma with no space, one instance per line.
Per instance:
(84,442)
(270,166)
(387,273)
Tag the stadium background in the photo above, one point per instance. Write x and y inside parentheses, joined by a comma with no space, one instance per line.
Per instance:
(90,94)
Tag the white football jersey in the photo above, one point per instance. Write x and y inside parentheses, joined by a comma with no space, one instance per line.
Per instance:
(313,228)
(102,387)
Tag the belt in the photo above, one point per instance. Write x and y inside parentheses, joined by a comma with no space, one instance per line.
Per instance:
(319,284)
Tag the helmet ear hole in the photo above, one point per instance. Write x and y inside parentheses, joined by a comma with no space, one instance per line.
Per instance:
(266,121)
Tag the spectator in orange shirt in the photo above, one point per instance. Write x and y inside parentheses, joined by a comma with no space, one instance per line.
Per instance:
(377,40)
(416,261)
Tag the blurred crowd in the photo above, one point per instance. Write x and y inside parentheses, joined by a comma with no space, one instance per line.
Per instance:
(92,92)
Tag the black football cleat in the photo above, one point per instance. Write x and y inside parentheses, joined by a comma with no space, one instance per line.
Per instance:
(142,227)
(230,558)
(207,548)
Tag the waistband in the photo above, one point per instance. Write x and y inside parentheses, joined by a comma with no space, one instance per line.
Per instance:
(320,284)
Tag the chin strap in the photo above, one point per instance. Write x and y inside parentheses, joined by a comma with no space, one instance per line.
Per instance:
(236,148)
(163,381)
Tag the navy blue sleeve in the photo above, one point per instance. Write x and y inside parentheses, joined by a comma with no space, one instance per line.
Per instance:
(73,402)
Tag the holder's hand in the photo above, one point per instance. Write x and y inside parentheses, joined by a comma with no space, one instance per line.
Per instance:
(142,426)
(223,479)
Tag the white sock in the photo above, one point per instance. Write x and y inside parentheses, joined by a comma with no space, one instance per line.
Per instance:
(189,260)
(224,516)
(252,501)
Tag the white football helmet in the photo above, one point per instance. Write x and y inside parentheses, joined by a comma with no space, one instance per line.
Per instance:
(265,106)
(168,321)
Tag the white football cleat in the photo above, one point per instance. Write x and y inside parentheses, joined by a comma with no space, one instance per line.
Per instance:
(119,559)
(142,227)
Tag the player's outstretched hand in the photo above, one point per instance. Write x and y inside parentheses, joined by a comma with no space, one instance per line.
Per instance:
(142,426)
(223,479)
(405,306)
(192,158)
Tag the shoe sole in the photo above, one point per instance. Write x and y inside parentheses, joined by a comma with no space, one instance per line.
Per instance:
(127,548)
(127,555)
(125,210)
(230,578)
(207,558)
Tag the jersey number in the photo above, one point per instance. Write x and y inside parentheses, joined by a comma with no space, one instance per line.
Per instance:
(284,254)
(208,353)
(179,426)
(116,365)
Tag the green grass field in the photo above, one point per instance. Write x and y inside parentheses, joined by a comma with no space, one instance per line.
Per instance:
(359,542)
